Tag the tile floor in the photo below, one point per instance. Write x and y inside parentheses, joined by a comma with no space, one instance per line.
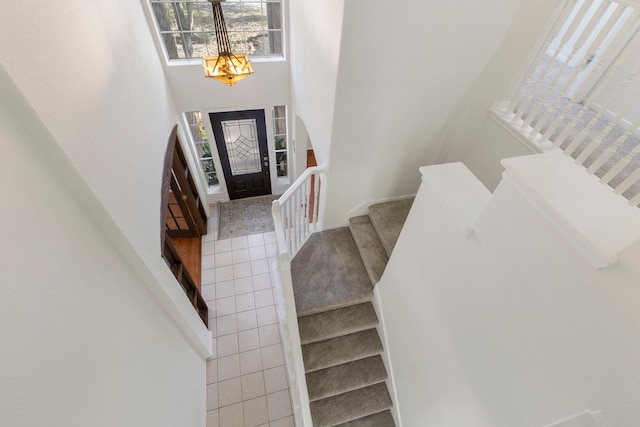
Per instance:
(247,383)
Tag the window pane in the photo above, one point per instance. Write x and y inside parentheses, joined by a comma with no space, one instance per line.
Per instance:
(253,17)
(258,44)
(203,151)
(232,16)
(184,15)
(280,138)
(165,16)
(201,145)
(211,44)
(204,20)
(281,163)
(237,42)
(275,43)
(176,50)
(212,178)
(198,45)
(192,119)
(187,29)
(210,172)
(280,142)
(280,126)
(279,111)
(274,16)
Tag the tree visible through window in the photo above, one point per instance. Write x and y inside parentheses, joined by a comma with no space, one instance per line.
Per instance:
(201,143)
(280,138)
(187,30)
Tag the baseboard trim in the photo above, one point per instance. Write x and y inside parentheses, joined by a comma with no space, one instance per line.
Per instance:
(386,357)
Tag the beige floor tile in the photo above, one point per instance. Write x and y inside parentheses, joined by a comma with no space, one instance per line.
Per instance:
(250,361)
(275,379)
(255,412)
(272,356)
(253,385)
(231,416)
(228,367)
(248,340)
(279,405)
(229,392)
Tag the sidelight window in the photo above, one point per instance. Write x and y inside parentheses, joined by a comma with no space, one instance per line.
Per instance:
(280,139)
(201,145)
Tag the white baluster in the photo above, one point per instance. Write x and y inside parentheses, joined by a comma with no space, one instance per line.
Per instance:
(307,195)
(298,225)
(292,236)
(635,201)
(316,195)
(608,152)
(594,46)
(525,106)
(621,164)
(534,82)
(588,82)
(628,182)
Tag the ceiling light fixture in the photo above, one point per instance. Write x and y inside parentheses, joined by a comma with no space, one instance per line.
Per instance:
(227,67)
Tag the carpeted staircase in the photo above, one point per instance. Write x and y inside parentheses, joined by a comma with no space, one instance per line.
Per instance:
(333,278)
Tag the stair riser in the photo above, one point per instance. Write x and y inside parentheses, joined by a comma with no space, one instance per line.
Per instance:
(346,377)
(337,351)
(336,323)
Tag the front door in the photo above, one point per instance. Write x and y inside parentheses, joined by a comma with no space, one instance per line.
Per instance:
(241,137)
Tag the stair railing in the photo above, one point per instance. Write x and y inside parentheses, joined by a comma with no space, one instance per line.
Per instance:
(295,217)
(581,93)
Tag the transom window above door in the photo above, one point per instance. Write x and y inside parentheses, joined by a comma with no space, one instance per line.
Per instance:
(187,30)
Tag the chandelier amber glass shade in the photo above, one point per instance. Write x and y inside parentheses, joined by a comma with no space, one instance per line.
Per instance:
(228,68)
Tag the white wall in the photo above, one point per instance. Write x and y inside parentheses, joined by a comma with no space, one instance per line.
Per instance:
(403,68)
(268,86)
(509,326)
(95,329)
(84,342)
(316,31)
(92,75)
(469,135)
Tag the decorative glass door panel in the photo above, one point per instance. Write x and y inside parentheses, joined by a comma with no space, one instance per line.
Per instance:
(241,137)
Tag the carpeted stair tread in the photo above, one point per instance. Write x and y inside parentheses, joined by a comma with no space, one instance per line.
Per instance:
(373,254)
(328,273)
(381,419)
(334,323)
(347,348)
(388,220)
(346,377)
(350,406)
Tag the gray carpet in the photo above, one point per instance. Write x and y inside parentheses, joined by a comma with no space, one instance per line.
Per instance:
(334,323)
(350,406)
(341,349)
(328,273)
(372,251)
(245,217)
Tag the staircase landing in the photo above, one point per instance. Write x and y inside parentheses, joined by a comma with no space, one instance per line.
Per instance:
(328,273)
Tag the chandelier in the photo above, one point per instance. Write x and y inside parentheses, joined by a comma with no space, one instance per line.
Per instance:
(227,67)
